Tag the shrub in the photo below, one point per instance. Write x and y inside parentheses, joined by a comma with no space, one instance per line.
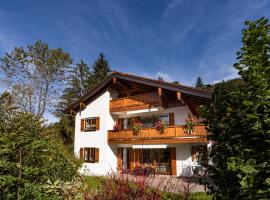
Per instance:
(29,158)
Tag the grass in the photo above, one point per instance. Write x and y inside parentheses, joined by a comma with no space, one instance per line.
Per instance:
(93,182)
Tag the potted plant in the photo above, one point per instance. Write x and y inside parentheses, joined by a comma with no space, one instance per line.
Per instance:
(160,126)
(136,128)
(191,122)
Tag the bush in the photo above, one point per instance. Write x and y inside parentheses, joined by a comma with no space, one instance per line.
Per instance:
(29,158)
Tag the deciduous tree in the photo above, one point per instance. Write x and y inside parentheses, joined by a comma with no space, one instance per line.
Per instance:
(34,74)
(239,122)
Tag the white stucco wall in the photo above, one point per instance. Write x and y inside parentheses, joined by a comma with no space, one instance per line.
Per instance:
(96,139)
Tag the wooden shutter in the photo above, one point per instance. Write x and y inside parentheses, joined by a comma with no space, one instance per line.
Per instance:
(173,160)
(193,153)
(131,158)
(137,156)
(82,124)
(81,153)
(97,123)
(171,119)
(96,154)
(119,159)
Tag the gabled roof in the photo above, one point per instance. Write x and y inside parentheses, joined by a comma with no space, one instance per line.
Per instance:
(200,93)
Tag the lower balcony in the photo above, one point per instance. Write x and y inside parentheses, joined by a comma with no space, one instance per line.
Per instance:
(172,134)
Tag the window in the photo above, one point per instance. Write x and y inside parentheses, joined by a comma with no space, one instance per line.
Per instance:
(90,124)
(164,118)
(147,121)
(90,155)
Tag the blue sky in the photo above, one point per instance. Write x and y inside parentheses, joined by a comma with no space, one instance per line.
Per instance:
(177,39)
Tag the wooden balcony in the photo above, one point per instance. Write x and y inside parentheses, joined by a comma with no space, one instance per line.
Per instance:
(138,102)
(172,134)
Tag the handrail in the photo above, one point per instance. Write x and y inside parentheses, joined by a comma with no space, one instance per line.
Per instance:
(176,132)
(135,102)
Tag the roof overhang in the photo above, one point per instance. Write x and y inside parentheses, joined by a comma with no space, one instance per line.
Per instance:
(204,94)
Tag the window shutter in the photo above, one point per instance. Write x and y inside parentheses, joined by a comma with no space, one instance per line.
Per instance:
(171,119)
(193,152)
(173,160)
(82,124)
(119,159)
(96,154)
(81,153)
(97,123)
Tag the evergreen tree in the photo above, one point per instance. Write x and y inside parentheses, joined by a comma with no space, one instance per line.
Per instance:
(78,84)
(239,122)
(199,83)
(80,81)
(101,69)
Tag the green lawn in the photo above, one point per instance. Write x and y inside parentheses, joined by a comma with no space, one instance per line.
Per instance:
(93,182)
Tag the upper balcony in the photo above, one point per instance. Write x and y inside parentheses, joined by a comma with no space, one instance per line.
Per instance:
(172,134)
(138,102)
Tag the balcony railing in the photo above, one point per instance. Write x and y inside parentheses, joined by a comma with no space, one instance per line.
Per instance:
(143,101)
(172,134)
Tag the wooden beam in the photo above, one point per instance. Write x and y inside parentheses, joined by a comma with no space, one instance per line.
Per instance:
(72,112)
(114,80)
(178,94)
(82,105)
(159,91)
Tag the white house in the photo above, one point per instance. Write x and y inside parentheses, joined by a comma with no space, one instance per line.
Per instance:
(132,124)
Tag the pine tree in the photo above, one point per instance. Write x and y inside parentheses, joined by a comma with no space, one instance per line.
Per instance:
(199,83)
(81,80)
(101,69)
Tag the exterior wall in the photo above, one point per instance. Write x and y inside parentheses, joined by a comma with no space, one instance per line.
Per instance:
(96,139)
(183,159)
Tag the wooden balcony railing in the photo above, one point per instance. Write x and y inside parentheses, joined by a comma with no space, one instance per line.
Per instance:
(172,134)
(137,102)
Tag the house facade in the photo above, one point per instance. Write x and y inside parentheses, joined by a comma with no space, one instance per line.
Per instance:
(132,124)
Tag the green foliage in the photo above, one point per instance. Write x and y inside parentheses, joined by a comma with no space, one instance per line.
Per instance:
(239,122)
(29,158)
(34,74)
(101,69)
